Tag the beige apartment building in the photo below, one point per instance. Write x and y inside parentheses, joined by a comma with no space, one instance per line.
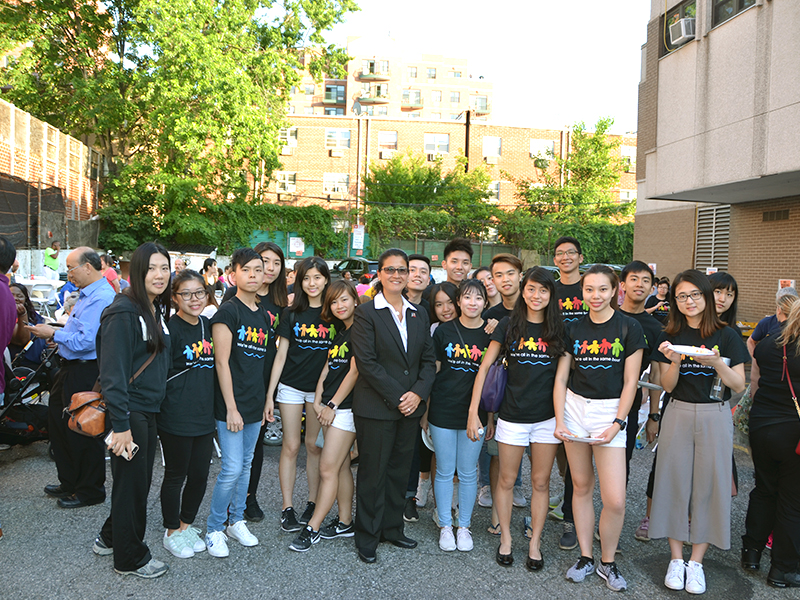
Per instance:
(718,169)
(385,79)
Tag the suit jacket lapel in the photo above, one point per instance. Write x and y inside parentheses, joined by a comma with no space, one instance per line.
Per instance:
(388,320)
(412,326)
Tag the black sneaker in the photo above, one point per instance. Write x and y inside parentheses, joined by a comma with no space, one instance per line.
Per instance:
(303,542)
(252,511)
(410,513)
(336,529)
(289,522)
(307,513)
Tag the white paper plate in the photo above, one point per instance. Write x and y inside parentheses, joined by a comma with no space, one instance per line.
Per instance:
(580,439)
(427,440)
(693,351)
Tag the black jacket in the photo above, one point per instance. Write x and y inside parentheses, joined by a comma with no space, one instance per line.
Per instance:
(121,351)
(385,370)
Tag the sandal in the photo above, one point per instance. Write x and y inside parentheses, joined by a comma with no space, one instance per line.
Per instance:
(494,529)
(527,529)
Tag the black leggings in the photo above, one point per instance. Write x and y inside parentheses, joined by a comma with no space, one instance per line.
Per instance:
(186,459)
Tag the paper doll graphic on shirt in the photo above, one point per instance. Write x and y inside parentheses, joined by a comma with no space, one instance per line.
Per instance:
(605,346)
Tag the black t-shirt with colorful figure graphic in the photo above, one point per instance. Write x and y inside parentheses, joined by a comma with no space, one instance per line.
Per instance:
(600,350)
(652,331)
(338,367)
(662,312)
(249,351)
(695,380)
(570,301)
(272,313)
(188,407)
(531,375)
(498,311)
(309,341)
(460,360)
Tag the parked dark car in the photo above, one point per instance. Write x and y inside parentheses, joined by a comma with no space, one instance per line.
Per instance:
(357,268)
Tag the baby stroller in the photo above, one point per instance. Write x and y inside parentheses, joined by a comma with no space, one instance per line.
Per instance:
(23,417)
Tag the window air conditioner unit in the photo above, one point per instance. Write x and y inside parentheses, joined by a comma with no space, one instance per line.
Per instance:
(287,151)
(387,154)
(681,32)
(337,153)
(492,160)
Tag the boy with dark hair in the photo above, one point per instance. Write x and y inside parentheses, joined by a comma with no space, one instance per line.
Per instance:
(457,261)
(419,271)
(506,270)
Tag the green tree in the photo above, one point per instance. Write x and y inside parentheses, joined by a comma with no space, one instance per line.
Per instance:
(425,198)
(579,188)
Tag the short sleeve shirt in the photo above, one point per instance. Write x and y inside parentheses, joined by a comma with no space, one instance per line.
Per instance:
(662,312)
(338,367)
(50,261)
(600,350)
(309,341)
(766,326)
(570,301)
(695,380)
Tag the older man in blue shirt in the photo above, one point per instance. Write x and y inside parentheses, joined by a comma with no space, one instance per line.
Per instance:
(80,460)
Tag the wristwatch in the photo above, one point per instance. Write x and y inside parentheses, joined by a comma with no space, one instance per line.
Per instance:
(621,424)
(331,405)
(655,417)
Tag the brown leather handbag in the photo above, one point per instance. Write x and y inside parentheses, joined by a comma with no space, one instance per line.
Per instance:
(87,410)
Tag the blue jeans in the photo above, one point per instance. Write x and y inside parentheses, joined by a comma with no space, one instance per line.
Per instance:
(234,477)
(455,450)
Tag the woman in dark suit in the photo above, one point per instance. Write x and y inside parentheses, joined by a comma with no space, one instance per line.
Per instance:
(396,367)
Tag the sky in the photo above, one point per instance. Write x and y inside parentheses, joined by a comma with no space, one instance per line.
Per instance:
(552,63)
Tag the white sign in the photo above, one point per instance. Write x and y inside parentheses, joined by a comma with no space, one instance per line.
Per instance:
(652,268)
(358,238)
(711,270)
(296,245)
(782,283)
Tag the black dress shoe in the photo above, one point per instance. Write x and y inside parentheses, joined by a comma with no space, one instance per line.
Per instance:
(56,491)
(404,542)
(504,560)
(779,579)
(72,501)
(534,564)
(751,558)
(367,556)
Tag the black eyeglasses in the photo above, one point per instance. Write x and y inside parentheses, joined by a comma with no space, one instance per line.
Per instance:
(199,295)
(393,270)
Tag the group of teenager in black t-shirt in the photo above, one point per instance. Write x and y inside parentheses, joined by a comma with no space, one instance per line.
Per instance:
(573,359)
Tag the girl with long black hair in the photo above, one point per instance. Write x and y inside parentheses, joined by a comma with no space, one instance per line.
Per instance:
(726,297)
(304,339)
(532,339)
(133,333)
(693,475)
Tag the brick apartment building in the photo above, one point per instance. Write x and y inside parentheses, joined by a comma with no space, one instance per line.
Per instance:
(718,158)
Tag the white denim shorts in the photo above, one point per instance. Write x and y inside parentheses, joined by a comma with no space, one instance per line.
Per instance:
(524,434)
(587,417)
(344,420)
(289,395)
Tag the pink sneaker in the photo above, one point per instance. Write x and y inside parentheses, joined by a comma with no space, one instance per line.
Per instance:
(769,542)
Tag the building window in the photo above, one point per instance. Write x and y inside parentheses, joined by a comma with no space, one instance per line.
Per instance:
(383,111)
(480,103)
(627,195)
(387,140)
(335,183)
(713,237)
(454,116)
(436,96)
(431,73)
(543,148)
(436,116)
(722,10)
(290,109)
(412,72)
(455,74)
(628,158)
(308,110)
(437,143)
(288,136)
(416,115)
(337,138)
(308,89)
(492,145)
(383,66)
(412,97)
(686,10)
(455,97)
(286,182)
(334,93)
(335,111)
(775,215)
(494,191)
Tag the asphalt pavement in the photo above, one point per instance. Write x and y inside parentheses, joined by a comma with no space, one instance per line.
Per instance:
(46,551)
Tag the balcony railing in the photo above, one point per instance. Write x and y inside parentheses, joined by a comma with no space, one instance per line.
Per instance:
(412,103)
(365,98)
(483,108)
(372,76)
(333,98)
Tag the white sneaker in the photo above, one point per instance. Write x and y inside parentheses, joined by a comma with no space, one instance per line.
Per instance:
(195,541)
(695,578)
(177,545)
(423,489)
(485,497)
(241,534)
(676,574)
(464,539)
(519,498)
(217,544)
(447,540)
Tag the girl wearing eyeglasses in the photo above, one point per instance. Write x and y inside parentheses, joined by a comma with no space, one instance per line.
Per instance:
(186,420)
(693,476)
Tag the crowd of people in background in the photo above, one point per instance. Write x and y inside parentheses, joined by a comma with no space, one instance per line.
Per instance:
(399,370)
